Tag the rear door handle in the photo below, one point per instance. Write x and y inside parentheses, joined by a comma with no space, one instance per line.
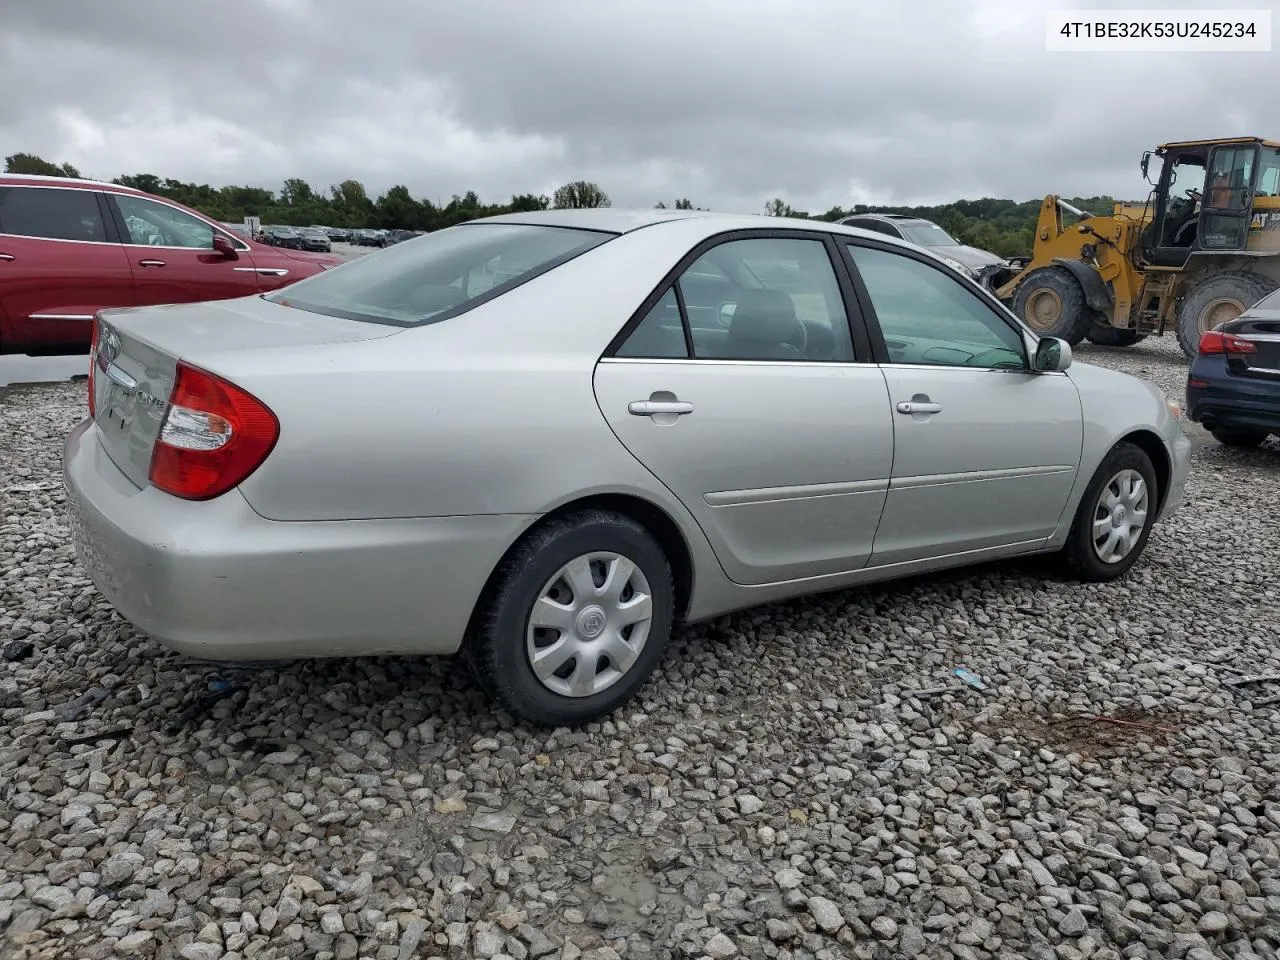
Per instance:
(151,263)
(7,256)
(652,408)
(918,406)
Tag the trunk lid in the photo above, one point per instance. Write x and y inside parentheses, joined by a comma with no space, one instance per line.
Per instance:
(1262,329)
(139,349)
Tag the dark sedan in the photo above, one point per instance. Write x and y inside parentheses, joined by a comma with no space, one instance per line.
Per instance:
(283,237)
(313,238)
(1233,386)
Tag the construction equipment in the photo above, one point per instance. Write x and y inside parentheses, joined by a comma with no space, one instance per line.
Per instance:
(1203,247)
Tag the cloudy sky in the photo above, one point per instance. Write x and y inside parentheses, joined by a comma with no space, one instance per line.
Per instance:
(821,102)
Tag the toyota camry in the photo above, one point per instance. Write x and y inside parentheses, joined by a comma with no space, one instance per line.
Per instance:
(541,440)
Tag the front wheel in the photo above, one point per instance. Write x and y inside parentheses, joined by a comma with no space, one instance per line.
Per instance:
(1115,516)
(1052,303)
(574,620)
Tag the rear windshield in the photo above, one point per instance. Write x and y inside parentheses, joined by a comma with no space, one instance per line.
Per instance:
(438,275)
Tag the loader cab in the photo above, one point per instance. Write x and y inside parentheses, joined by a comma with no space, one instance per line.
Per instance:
(1202,201)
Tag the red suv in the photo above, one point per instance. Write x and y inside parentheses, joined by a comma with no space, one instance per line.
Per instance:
(68,248)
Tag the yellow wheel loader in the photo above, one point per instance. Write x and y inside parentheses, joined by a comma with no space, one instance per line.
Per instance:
(1202,248)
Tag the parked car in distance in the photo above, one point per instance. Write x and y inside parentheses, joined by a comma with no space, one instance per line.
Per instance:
(71,247)
(338,234)
(672,468)
(925,233)
(370,238)
(239,229)
(399,236)
(313,238)
(289,237)
(1233,383)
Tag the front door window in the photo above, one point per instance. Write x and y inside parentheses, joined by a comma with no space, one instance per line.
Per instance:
(1182,203)
(154,224)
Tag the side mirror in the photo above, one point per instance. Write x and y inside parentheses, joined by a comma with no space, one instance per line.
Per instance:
(1052,355)
(225,247)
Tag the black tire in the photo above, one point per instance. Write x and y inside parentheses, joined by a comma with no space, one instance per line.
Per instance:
(1244,289)
(1114,336)
(1053,286)
(496,645)
(1239,438)
(1079,554)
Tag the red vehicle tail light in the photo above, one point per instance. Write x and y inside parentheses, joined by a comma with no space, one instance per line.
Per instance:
(93,361)
(1215,341)
(213,437)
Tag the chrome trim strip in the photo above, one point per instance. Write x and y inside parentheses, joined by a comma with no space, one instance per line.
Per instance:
(1260,337)
(96,243)
(829,363)
(61,316)
(976,476)
(1263,370)
(737,363)
(115,374)
(808,491)
(265,271)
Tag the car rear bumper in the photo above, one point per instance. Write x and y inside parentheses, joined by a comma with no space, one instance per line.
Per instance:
(1233,402)
(216,580)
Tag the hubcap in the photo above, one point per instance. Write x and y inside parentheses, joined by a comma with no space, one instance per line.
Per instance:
(589,624)
(1219,311)
(1044,307)
(1120,516)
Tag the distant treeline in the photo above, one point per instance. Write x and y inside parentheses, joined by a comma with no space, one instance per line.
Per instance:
(1005,227)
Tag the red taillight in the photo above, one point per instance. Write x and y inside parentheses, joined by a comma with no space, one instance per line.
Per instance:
(93,360)
(213,436)
(1215,341)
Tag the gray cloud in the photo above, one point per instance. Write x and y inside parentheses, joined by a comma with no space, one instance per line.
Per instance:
(822,102)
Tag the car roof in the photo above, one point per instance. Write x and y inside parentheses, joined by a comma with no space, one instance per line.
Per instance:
(78,183)
(610,219)
(615,220)
(895,217)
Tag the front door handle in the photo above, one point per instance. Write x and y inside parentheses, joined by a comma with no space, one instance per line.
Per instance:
(151,263)
(7,256)
(919,406)
(656,408)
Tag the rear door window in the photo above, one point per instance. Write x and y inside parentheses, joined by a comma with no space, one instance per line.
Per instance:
(51,213)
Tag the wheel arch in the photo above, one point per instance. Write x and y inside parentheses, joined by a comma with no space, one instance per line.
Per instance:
(1150,443)
(1096,294)
(657,521)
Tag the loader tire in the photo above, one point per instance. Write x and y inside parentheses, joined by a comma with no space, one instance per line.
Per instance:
(1216,301)
(1051,302)
(1105,336)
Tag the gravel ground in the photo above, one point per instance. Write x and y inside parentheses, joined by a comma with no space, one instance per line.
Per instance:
(777,790)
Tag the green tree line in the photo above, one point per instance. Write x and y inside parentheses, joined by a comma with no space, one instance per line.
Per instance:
(1005,227)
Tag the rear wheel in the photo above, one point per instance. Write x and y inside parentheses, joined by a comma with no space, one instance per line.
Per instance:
(1052,304)
(1115,515)
(574,620)
(1239,438)
(1216,301)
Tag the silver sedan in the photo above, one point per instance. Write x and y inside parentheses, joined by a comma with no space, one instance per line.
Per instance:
(542,439)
